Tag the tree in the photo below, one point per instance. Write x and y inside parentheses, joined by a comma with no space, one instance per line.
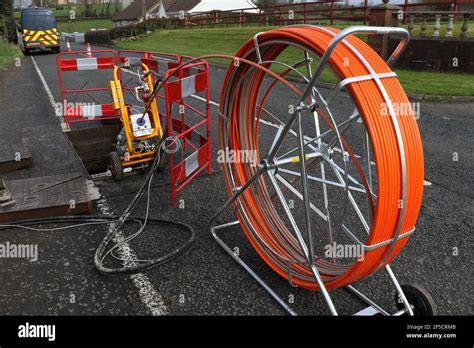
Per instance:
(107,9)
(88,8)
(9,25)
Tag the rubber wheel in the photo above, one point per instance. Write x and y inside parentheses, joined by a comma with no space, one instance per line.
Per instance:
(57,50)
(419,298)
(26,52)
(115,166)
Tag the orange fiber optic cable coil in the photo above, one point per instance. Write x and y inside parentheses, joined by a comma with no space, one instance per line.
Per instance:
(239,100)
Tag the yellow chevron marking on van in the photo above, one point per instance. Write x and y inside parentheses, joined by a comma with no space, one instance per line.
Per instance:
(37,35)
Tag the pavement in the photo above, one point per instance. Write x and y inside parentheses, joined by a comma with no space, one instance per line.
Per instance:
(206,281)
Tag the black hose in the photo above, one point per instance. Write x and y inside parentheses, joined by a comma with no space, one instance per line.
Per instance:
(98,218)
(119,221)
(101,249)
(124,218)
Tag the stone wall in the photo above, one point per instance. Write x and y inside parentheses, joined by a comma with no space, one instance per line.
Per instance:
(454,55)
(422,53)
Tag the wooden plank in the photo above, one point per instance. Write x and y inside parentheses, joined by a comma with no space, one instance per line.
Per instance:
(14,157)
(57,195)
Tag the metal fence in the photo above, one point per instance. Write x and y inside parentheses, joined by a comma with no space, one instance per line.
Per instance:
(329,11)
(310,12)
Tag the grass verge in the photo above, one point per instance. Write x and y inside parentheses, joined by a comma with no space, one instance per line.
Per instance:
(199,42)
(8,52)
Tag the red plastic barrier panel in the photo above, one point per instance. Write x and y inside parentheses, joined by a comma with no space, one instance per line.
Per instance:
(191,124)
(85,100)
(87,64)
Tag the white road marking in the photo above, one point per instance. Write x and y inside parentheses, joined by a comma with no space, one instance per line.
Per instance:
(45,85)
(204,100)
(427,183)
(50,95)
(147,293)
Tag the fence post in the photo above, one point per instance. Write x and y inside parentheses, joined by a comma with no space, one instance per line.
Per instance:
(332,12)
(449,29)
(366,8)
(437,26)
(405,6)
(279,16)
(423,26)
(382,15)
(464,26)
(305,7)
(411,23)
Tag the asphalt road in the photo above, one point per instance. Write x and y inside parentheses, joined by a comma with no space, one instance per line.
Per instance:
(206,281)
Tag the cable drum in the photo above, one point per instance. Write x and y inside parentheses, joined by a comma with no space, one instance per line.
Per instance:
(373,194)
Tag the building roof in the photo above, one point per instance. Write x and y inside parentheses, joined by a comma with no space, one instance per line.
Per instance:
(135,10)
(173,6)
(227,5)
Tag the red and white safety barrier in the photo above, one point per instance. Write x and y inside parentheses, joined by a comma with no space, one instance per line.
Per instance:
(86,64)
(78,111)
(159,62)
(178,125)
(90,111)
(185,87)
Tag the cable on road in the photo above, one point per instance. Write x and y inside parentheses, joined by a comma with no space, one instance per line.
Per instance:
(131,266)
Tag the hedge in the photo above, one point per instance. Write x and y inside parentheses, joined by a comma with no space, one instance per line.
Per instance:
(141,28)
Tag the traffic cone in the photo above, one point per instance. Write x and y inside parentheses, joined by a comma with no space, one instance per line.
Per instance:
(68,45)
(89,52)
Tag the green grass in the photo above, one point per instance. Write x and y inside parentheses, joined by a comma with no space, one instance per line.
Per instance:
(8,52)
(82,26)
(195,42)
(199,42)
(433,83)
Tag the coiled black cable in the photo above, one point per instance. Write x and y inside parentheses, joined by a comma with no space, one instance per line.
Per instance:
(131,266)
